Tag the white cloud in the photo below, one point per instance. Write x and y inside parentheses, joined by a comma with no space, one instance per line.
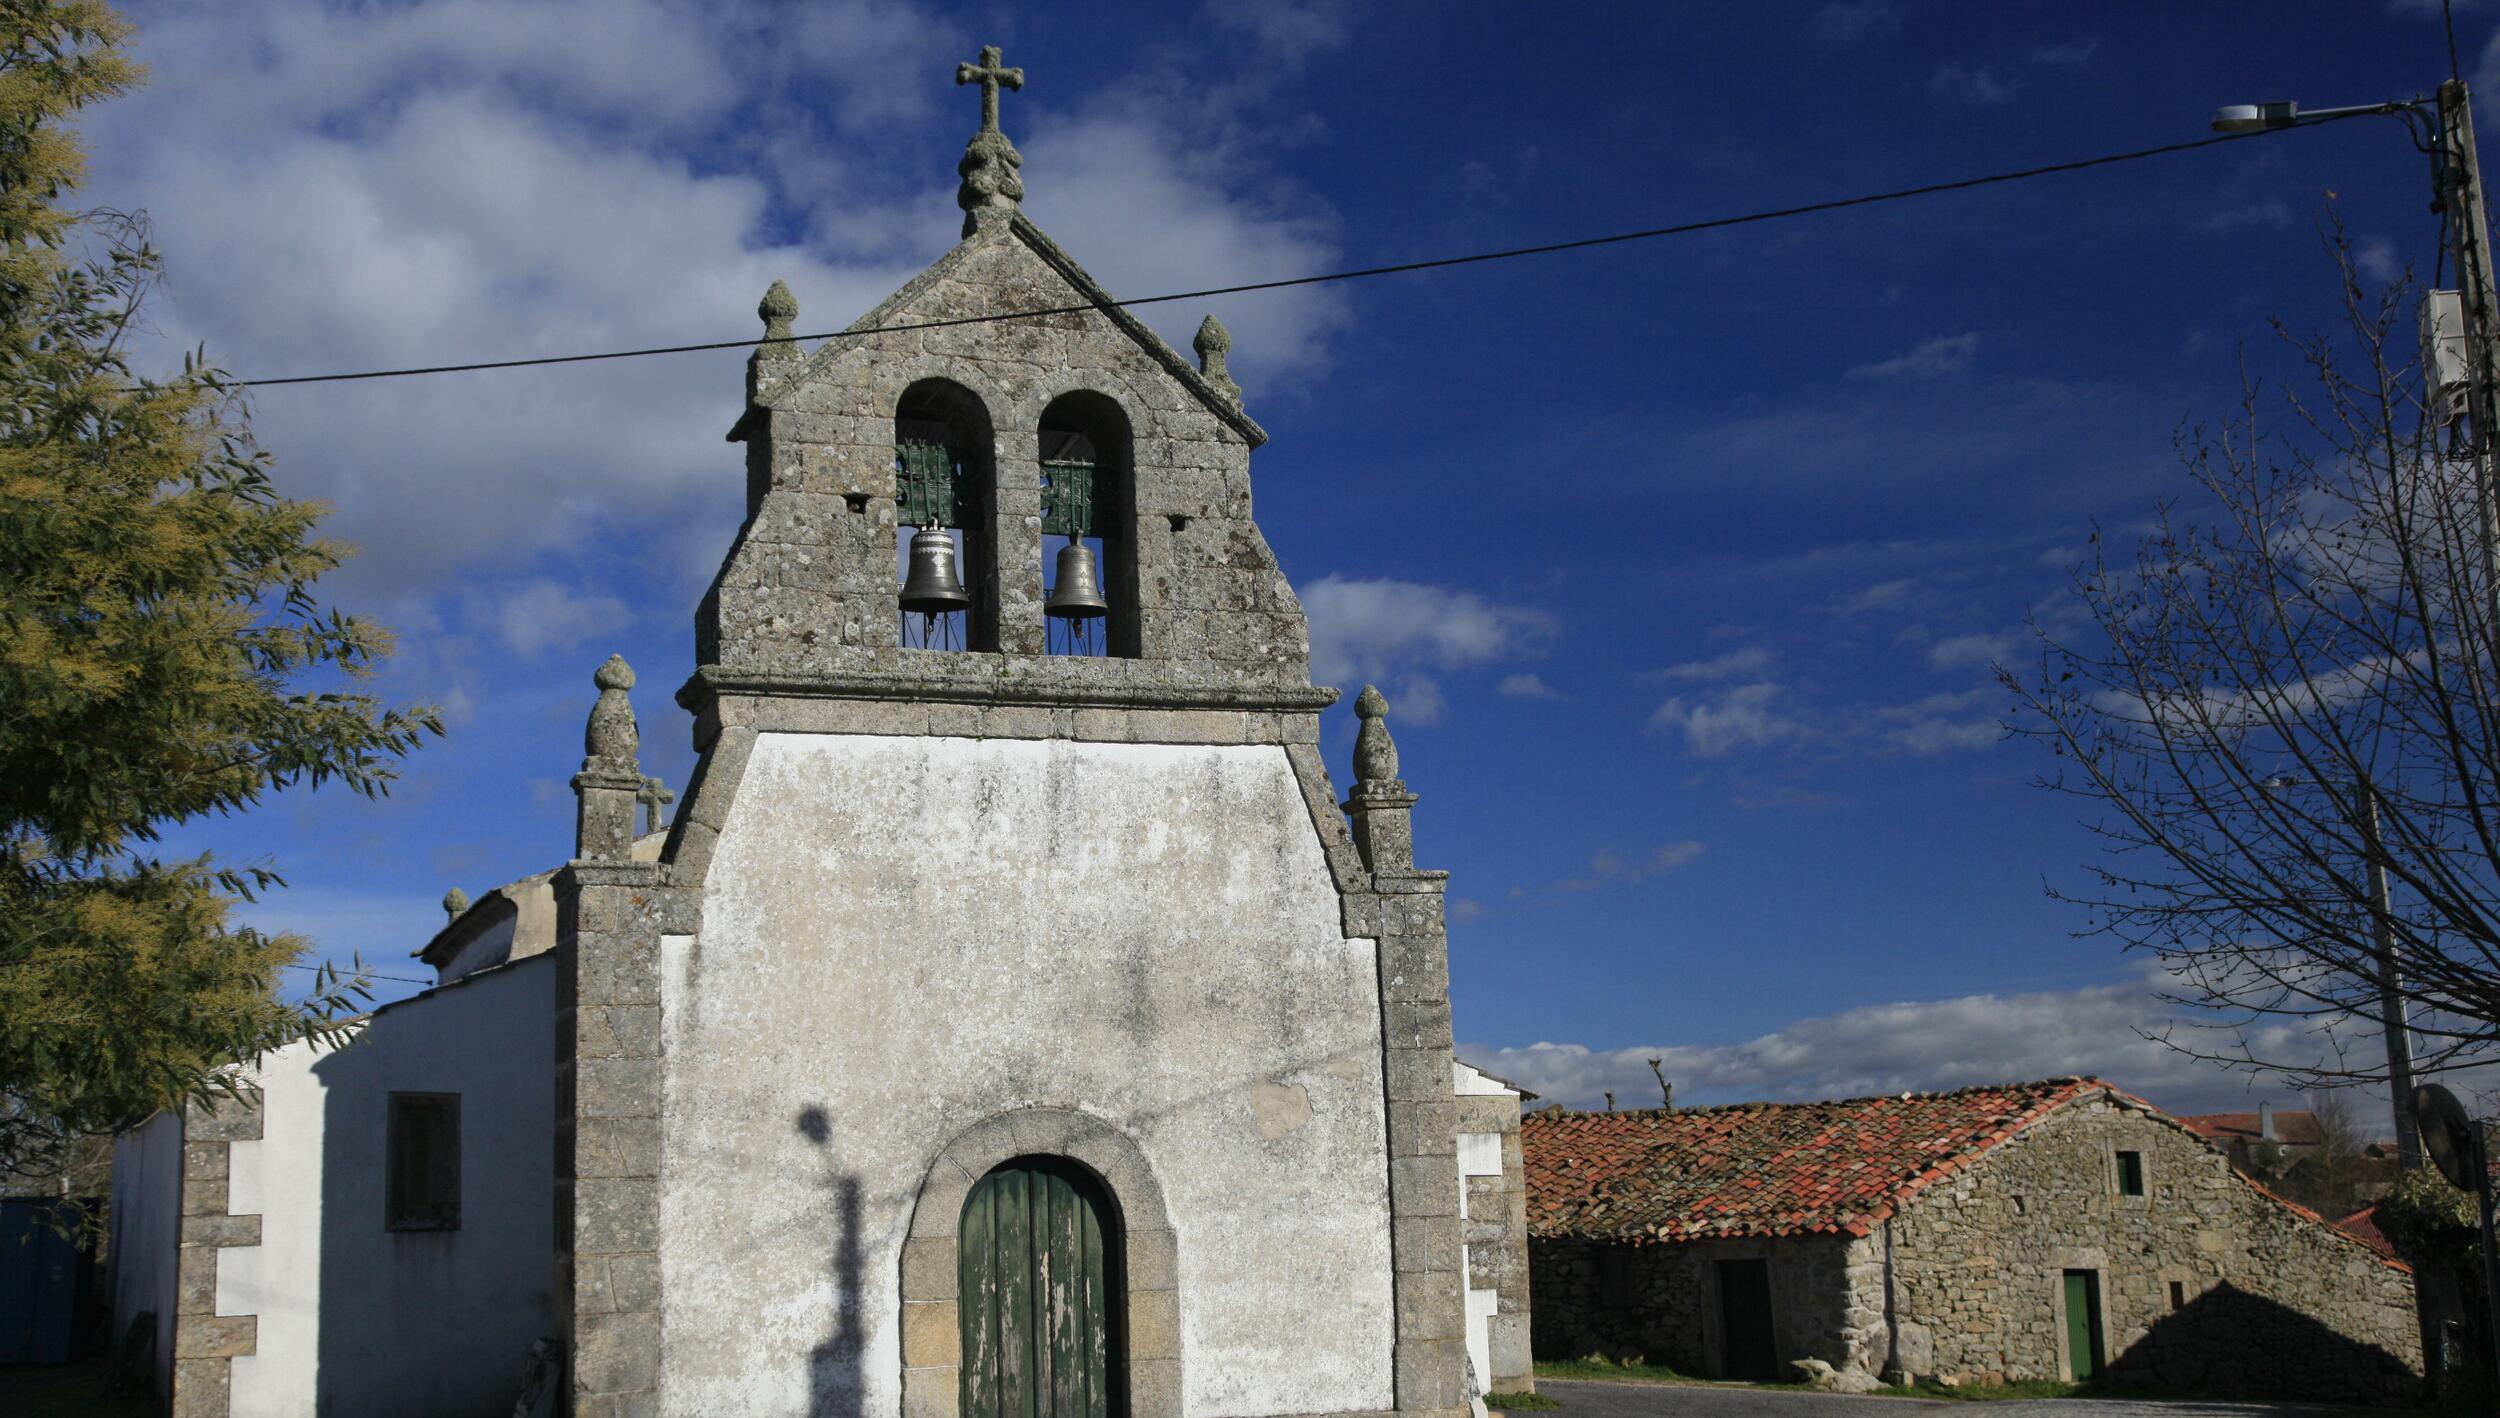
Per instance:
(1608,867)
(1370,629)
(1854,21)
(1906,1046)
(2268,213)
(1883,595)
(1940,723)
(1930,359)
(1291,30)
(542,614)
(1719,722)
(1527,686)
(445,180)
(1977,648)
(1752,660)
(2377,259)
(2002,79)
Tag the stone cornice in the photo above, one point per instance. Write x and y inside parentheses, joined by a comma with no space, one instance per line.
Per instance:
(711,683)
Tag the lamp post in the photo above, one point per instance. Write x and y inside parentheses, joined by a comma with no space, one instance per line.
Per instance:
(2393,1020)
(2443,128)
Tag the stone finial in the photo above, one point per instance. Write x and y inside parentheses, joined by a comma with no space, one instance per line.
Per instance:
(991,168)
(778,348)
(1375,753)
(455,901)
(1212,344)
(611,733)
(1380,807)
(611,776)
(777,309)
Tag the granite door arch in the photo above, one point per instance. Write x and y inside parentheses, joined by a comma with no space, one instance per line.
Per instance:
(1140,1281)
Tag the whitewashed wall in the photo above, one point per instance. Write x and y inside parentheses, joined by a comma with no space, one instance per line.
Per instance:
(1479,1155)
(382,1324)
(903,936)
(146,1232)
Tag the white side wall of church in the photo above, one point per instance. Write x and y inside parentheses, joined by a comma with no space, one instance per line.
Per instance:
(382,1323)
(904,936)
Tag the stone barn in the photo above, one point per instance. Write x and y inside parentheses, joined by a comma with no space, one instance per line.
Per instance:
(1015,1019)
(2055,1230)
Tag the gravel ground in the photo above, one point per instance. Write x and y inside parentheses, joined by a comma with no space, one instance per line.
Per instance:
(1584,1399)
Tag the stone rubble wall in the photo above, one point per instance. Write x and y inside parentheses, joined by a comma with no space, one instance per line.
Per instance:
(2272,1303)
(810,585)
(1661,1302)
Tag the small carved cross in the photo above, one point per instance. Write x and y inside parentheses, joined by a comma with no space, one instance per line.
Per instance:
(989,76)
(653,796)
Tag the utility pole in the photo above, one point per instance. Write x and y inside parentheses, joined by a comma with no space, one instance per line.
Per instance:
(2393,1019)
(2460,200)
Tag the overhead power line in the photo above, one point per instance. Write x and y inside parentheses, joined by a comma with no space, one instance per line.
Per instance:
(365,974)
(1835,204)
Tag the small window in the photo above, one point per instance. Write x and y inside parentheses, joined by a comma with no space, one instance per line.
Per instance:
(2131,1174)
(2178,1294)
(422,1185)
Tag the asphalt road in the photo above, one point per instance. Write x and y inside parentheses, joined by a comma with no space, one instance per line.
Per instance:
(1583,1399)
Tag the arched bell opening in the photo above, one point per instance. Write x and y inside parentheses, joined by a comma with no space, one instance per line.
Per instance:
(1089,527)
(1041,1281)
(947,489)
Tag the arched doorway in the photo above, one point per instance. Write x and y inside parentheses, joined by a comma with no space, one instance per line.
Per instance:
(1039,1279)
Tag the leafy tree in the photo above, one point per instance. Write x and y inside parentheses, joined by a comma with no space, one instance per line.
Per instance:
(2287,691)
(162,655)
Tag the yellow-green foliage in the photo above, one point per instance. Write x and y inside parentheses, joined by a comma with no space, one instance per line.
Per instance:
(2430,1222)
(157,634)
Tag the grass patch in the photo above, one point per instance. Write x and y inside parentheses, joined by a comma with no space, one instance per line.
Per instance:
(1598,1366)
(1519,1402)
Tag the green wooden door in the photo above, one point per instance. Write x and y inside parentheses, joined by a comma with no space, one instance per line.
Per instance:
(1035,1254)
(2083,1324)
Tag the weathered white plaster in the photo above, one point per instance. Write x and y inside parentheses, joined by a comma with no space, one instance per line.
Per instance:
(147,1227)
(903,936)
(362,1320)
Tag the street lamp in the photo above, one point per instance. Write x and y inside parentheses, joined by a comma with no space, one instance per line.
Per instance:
(2256,117)
(2443,129)
(2391,1002)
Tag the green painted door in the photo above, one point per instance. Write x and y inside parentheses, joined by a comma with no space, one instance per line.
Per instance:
(1034,1259)
(2083,1324)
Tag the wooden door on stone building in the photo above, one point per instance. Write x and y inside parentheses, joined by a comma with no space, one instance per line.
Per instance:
(2083,1324)
(1038,1275)
(1747,1347)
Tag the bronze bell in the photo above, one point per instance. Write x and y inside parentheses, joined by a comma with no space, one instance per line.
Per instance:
(933,587)
(1078,594)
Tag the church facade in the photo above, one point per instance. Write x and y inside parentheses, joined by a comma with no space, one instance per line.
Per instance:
(1013,1019)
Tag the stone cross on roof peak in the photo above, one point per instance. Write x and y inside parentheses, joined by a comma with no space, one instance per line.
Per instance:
(991,181)
(990,75)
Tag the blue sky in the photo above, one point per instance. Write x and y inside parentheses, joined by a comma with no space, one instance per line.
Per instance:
(1683,563)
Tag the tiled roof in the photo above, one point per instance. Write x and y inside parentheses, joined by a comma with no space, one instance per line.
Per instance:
(2290,1129)
(1765,1169)
(2362,1226)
